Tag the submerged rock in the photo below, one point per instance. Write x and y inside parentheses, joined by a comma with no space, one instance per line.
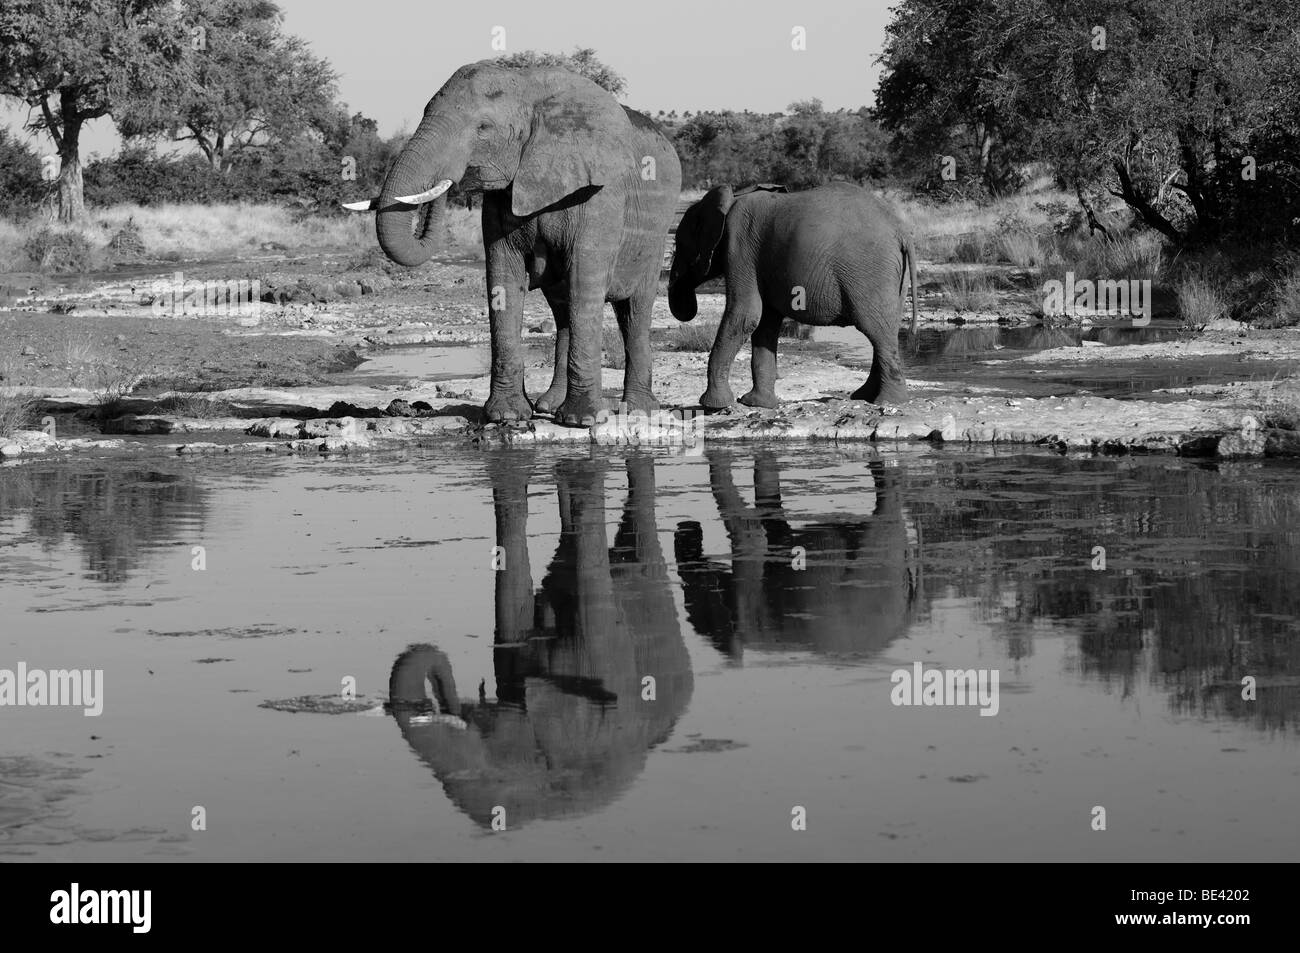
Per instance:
(323,705)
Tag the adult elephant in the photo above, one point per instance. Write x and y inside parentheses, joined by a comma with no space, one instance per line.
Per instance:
(851,588)
(835,255)
(578,193)
(574,716)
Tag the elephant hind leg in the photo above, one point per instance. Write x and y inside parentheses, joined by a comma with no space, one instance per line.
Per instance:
(886,383)
(762,361)
(557,298)
(633,315)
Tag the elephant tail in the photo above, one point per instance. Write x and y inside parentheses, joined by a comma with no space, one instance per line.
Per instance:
(909,257)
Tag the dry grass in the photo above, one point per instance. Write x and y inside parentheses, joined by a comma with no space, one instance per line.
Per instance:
(614,354)
(696,335)
(16,412)
(465,229)
(1022,248)
(1286,298)
(1200,300)
(173,232)
(1135,256)
(794,331)
(974,248)
(970,292)
(198,406)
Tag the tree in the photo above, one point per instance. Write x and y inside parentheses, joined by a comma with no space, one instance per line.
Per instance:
(582,60)
(20,176)
(253,85)
(72,61)
(1184,109)
(939,89)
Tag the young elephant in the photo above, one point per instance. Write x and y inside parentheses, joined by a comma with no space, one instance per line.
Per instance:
(834,255)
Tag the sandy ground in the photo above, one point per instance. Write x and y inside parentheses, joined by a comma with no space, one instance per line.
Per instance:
(268,377)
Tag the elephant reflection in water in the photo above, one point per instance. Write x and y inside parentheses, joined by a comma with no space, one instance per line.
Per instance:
(571,725)
(856,592)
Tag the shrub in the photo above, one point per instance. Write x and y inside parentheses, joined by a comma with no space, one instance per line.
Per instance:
(968,292)
(794,331)
(972,248)
(21,188)
(16,411)
(1200,300)
(61,251)
(1021,248)
(1286,298)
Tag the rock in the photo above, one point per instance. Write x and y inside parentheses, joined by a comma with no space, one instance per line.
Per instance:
(322,291)
(323,705)
(28,351)
(33,441)
(1282,443)
(548,326)
(10,450)
(423,406)
(341,408)
(399,408)
(275,427)
(1242,444)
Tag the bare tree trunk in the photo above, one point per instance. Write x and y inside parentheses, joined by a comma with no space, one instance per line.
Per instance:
(1094,223)
(72,199)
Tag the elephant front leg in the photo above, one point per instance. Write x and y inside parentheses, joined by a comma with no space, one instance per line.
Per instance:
(507,281)
(587,284)
(739,320)
(557,298)
(634,322)
(762,362)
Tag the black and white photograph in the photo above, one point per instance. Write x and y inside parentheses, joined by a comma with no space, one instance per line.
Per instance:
(808,432)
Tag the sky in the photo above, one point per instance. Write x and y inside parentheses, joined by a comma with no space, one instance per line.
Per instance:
(392,55)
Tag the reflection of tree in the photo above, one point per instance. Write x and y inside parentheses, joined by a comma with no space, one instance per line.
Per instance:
(1198,588)
(113,515)
(854,595)
(571,726)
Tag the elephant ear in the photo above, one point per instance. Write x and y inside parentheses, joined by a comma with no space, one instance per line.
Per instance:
(579,138)
(713,221)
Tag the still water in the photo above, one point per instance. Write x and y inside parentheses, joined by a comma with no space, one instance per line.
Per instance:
(653,657)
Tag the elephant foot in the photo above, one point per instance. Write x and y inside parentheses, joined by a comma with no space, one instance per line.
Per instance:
(643,402)
(715,398)
(578,411)
(756,398)
(890,394)
(503,408)
(553,398)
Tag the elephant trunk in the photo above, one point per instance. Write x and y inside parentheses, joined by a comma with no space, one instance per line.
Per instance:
(681,301)
(411,235)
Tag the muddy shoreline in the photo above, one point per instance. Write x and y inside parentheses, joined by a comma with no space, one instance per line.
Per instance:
(111,369)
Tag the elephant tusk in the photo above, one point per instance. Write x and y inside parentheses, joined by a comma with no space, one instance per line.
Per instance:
(365,205)
(428,196)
